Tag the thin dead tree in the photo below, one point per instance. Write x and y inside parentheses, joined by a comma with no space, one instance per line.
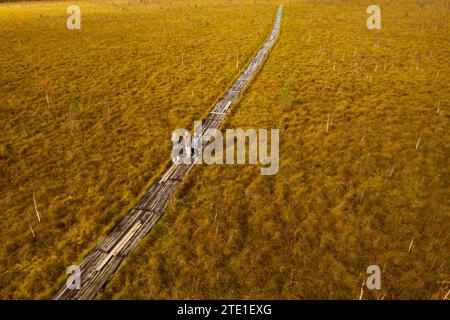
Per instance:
(362,291)
(292,275)
(411,245)
(385,293)
(216,222)
(392,170)
(438,107)
(72,121)
(329,122)
(35,207)
(419,138)
(446,296)
(31,228)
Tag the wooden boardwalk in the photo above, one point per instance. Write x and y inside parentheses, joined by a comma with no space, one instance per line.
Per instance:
(101,263)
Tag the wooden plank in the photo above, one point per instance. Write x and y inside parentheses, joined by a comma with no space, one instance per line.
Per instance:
(119,246)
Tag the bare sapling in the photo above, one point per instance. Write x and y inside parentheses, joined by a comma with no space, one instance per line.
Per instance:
(419,138)
(31,228)
(48,88)
(411,244)
(328,124)
(35,207)
(392,171)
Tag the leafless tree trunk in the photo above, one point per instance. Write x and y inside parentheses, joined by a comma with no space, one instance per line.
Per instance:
(216,222)
(418,141)
(48,101)
(362,291)
(392,171)
(31,228)
(35,207)
(446,296)
(328,124)
(411,245)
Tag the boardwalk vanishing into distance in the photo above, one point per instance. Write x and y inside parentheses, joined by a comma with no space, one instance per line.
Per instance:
(101,263)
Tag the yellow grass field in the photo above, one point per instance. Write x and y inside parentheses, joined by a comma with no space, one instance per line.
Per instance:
(117,88)
(366,192)
(310,231)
